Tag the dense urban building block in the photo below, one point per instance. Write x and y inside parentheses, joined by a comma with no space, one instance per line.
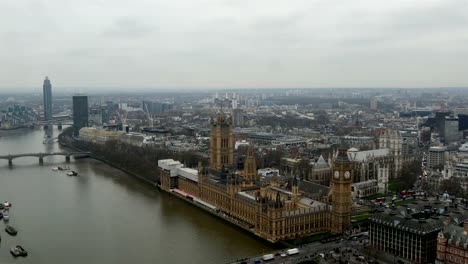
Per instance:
(156,107)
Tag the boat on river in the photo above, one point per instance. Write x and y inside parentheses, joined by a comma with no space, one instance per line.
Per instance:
(59,168)
(11,230)
(6,216)
(72,173)
(6,205)
(18,251)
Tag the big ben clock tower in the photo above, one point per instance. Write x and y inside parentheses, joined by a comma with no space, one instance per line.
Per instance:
(341,192)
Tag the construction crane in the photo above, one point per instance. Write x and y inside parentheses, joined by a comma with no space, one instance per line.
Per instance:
(150,119)
(123,118)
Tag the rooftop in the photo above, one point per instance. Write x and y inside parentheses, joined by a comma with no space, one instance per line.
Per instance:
(421,217)
(367,154)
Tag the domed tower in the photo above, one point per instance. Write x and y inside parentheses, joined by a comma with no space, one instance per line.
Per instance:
(221,143)
(341,192)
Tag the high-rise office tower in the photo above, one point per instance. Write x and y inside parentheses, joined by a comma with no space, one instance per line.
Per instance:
(237,117)
(80,113)
(47,94)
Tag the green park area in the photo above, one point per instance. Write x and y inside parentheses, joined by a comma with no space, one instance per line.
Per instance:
(359,219)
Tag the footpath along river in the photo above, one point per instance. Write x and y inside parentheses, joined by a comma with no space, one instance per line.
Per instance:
(103,215)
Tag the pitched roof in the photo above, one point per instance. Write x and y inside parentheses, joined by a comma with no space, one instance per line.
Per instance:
(456,236)
(321,163)
(368,154)
(313,189)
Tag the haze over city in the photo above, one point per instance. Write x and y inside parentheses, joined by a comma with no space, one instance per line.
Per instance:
(231,131)
(233,44)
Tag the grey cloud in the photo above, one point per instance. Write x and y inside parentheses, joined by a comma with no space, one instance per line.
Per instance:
(235,43)
(129,27)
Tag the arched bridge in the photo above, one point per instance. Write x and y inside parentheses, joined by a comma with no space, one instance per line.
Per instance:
(41,155)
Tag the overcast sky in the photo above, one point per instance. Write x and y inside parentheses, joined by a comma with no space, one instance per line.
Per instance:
(234,43)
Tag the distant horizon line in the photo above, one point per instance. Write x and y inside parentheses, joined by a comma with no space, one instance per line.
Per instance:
(67,89)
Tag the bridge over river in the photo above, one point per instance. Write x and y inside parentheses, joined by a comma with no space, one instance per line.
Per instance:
(41,155)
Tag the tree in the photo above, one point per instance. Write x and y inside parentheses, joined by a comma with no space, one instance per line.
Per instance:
(410,173)
(273,158)
(425,135)
(452,186)
(142,161)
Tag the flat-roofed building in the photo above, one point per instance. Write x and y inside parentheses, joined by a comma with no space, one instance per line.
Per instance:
(99,136)
(436,157)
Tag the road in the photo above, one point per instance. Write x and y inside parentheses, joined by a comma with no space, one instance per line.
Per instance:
(332,252)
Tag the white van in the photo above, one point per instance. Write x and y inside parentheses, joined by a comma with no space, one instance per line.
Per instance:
(268,257)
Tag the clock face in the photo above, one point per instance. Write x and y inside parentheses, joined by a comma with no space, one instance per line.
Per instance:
(337,174)
(347,175)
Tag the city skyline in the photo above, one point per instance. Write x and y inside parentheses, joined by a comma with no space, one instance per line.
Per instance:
(229,44)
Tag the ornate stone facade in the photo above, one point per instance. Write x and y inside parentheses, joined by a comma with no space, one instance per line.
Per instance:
(452,245)
(371,165)
(392,139)
(320,172)
(221,144)
(274,210)
(341,192)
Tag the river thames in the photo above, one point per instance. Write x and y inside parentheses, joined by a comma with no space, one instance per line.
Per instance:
(103,215)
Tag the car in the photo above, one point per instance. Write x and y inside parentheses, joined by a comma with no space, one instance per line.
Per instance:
(283,255)
(277,253)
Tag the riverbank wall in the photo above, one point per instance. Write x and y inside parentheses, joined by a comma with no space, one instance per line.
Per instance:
(112,164)
(155,182)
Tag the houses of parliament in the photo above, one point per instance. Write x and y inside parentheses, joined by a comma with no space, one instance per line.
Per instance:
(272,209)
